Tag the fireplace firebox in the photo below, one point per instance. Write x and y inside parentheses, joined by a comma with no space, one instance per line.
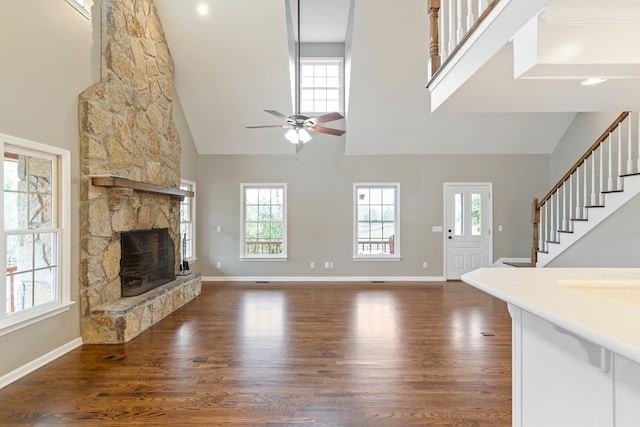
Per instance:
(147,260)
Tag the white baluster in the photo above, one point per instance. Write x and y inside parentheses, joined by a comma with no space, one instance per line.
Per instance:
(585,199)
(629,147)
(619,171)
(452,26)
(570,201)
(610,165)
(602,187)
(460,31)
(578,194)
(471,19)
(542,231)
(565,226)
(549,224)
(594,195)
(556,222)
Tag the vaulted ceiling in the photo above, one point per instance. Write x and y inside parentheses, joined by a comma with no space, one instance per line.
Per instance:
(234,63)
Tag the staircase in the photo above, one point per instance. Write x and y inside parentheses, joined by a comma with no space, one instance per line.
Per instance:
(604,179)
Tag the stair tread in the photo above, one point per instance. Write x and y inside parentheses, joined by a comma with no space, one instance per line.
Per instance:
(630,174)
(594,206)
(578,219)
(612,191)
(565,231)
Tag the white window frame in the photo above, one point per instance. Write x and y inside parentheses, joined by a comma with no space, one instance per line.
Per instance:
(20,319)
(82,6)
(323,61)
(186,184)
(263,257)
(396,241)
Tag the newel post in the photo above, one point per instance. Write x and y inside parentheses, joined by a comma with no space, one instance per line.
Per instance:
(434,43)
(535,219)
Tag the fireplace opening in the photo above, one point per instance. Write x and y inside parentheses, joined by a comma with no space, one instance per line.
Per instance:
(147,260)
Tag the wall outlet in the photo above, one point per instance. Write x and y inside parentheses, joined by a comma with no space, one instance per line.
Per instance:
(218,229)
(312,264)
(330,264)
(424,264)
(499,228)
(326,264)
(218,264)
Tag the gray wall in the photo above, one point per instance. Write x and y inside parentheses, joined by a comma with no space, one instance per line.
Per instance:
(189,156)
(48,58)
(51,53)
(584,130)
(320,212)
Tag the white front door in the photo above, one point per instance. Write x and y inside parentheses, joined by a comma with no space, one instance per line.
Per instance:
(467,232)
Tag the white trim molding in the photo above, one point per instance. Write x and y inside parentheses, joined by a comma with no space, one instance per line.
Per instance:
(322,279)
(29,367)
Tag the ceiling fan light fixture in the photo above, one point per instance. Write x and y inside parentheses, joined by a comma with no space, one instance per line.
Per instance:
(297,136)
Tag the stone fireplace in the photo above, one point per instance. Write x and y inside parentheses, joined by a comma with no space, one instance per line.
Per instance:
(130,168)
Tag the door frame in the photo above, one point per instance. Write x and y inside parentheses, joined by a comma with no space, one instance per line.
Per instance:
(446,185)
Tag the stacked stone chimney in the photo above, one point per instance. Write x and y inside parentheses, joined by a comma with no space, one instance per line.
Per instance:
(127,130)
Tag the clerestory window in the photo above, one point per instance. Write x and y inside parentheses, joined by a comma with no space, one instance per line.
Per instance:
(321,85)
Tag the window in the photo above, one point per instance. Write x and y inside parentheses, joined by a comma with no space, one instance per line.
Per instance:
(82,6)
(264,221)
(377,229)
(321,87)
(459,217)
(35,206)
(188,222)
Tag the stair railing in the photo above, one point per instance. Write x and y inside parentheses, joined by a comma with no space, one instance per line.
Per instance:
(452,23)
(600,170)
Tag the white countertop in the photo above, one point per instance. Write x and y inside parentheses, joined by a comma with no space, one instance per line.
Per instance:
(611,324)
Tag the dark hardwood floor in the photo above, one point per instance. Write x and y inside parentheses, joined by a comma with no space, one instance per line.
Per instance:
(304,354)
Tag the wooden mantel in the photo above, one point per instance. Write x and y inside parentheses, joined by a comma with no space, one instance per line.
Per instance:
(120,182)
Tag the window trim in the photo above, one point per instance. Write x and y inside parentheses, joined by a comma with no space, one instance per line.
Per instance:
(85,10)
(308,60)
(14,321)
(192,185)
(263,257)
(372,257)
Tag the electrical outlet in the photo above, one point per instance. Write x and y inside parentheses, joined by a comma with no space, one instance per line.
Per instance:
(326,264)
(218,264)
(330,264)
(424,264)
(312,265)
(218,229)
(499,228)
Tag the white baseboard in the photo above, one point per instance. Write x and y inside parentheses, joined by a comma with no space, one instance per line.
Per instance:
(322,279)
(29,367)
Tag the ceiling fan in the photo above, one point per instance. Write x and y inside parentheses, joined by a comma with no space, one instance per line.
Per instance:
(298,124)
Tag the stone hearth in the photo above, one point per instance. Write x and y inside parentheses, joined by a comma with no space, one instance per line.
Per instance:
(127,130)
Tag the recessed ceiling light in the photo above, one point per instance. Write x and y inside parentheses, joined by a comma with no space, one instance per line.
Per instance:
(203,9)
(592,81)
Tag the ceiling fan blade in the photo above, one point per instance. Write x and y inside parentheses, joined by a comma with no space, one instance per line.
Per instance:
(277,114)
(329,131)
(268,126)
(329,117)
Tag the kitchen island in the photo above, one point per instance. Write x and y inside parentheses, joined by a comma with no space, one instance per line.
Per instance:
(576,343)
